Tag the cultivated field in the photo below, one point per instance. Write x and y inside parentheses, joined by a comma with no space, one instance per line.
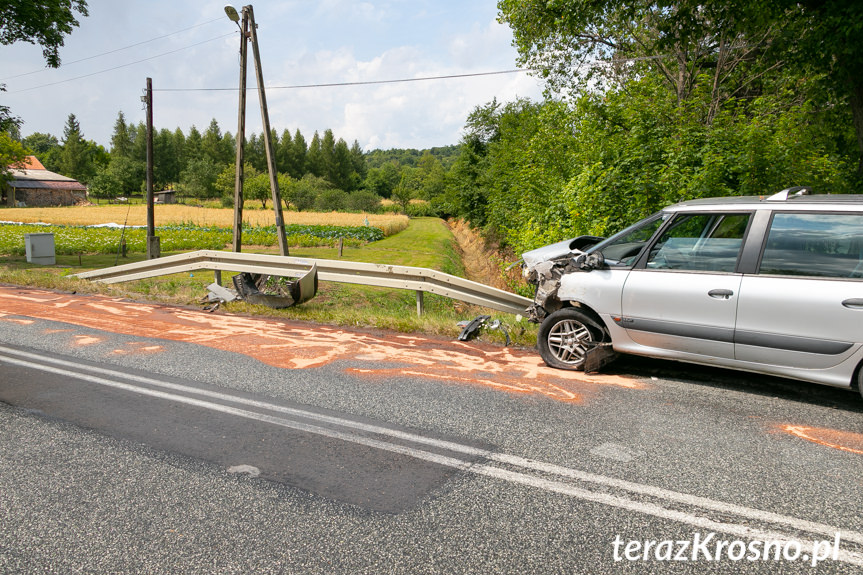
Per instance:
(136,215)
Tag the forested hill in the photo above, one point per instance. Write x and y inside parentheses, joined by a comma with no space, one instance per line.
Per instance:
(410,157)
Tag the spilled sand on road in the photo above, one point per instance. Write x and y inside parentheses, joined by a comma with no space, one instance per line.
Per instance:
(834,438)
(295,345)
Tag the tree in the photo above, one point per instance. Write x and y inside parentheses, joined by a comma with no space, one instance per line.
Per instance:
(193,144)
(167,157)
(254,152)
(215,146)
(297,162)
(314,158)
(45,23)
(825,38)
(121,141)
(40,144)
(306,190)
(123,176)
(384,179)
(407,189)
(257,187)
(358,161)
(342,173)
(728,51)
(12,153)
(432,175)
(74,160)
(284,152)
(198,179)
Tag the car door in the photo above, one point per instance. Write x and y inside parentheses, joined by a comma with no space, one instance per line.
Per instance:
(683,297)
(803,308)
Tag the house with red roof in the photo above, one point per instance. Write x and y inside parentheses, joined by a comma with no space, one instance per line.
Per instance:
(30,184)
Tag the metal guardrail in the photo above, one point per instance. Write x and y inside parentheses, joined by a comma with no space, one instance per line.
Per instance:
(421,280)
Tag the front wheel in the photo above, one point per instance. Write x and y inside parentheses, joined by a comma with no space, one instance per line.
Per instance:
(564,338)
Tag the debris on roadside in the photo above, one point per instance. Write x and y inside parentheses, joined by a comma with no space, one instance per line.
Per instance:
(471,328)
(251,288)
(288,293)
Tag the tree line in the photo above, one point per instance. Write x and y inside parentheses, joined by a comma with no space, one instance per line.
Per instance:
(324,174)
(653,103)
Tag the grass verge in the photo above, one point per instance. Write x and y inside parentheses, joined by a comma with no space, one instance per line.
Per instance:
(426,242)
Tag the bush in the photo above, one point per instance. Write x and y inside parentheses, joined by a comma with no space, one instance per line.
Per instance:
(364,201)
(419,209)
(331,201)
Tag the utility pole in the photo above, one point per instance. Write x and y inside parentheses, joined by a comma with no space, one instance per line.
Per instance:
(248,30)
(153,250)
(241,138)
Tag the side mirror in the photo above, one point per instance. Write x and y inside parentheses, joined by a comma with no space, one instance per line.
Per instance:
(587,262)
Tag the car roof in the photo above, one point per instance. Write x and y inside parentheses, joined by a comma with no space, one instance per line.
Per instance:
(781,200)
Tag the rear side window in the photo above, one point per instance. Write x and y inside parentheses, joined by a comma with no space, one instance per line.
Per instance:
(819,245)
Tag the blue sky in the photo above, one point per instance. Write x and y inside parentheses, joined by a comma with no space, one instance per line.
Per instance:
(302,42)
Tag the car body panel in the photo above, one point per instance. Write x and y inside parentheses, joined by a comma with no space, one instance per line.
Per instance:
(674,310)
(804,327)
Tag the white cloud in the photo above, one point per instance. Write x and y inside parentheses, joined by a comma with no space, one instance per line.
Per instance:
(331,41)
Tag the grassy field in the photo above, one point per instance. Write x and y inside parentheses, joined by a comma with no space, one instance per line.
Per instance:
(424,242)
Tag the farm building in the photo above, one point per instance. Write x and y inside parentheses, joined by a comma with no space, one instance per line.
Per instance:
(33,185)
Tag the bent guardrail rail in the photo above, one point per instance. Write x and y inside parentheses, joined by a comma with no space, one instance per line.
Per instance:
(421,280)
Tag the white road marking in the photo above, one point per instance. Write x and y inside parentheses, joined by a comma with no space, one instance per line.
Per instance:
(27,359)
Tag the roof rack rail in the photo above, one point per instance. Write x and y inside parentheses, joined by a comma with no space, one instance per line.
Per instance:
(790,193)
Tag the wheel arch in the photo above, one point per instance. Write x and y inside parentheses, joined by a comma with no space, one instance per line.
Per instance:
(588,311)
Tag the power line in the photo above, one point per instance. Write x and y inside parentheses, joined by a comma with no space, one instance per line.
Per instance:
(66,64)
(123,65)
(341,84)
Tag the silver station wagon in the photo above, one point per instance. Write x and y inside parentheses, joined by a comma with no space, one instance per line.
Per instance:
(771,285)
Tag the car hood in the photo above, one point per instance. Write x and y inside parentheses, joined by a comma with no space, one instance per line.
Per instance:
(548,252)
(570,247)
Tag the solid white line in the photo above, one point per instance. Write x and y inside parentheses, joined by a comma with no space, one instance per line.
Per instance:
(331,433)
(516,477)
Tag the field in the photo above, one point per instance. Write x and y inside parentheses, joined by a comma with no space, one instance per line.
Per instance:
(165,214)
(182,228)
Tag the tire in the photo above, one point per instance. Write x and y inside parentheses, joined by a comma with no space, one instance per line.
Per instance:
(860,379)
(562,336)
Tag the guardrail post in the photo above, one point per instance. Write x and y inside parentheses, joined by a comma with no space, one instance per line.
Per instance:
(218,276)
(420,303)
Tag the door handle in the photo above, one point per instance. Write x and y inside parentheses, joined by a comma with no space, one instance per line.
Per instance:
(853,303)
(720,293)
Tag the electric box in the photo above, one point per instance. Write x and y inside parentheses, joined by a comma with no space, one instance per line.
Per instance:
(39,249)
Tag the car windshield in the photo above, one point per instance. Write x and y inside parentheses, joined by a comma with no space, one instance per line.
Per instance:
(623,247)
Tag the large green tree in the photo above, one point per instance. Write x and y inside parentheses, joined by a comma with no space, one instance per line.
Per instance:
(724,51)
(42,22)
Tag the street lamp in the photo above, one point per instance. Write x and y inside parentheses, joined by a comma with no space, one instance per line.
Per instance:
(248,31)
(232,13)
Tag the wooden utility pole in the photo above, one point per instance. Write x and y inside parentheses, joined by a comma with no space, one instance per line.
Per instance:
(241,138)
(268,140)
(153,250)
(248,31)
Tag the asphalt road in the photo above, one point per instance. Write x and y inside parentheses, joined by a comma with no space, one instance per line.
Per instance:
(131,446)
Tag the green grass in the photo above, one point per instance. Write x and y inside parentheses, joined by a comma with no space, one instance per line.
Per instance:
(427,242)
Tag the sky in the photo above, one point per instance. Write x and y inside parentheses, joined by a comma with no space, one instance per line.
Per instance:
(190,49)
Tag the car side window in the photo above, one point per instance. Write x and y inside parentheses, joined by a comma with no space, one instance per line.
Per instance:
(700,242)
(818,245)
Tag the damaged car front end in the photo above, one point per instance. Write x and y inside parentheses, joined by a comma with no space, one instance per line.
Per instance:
(573,279)
(544,267)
